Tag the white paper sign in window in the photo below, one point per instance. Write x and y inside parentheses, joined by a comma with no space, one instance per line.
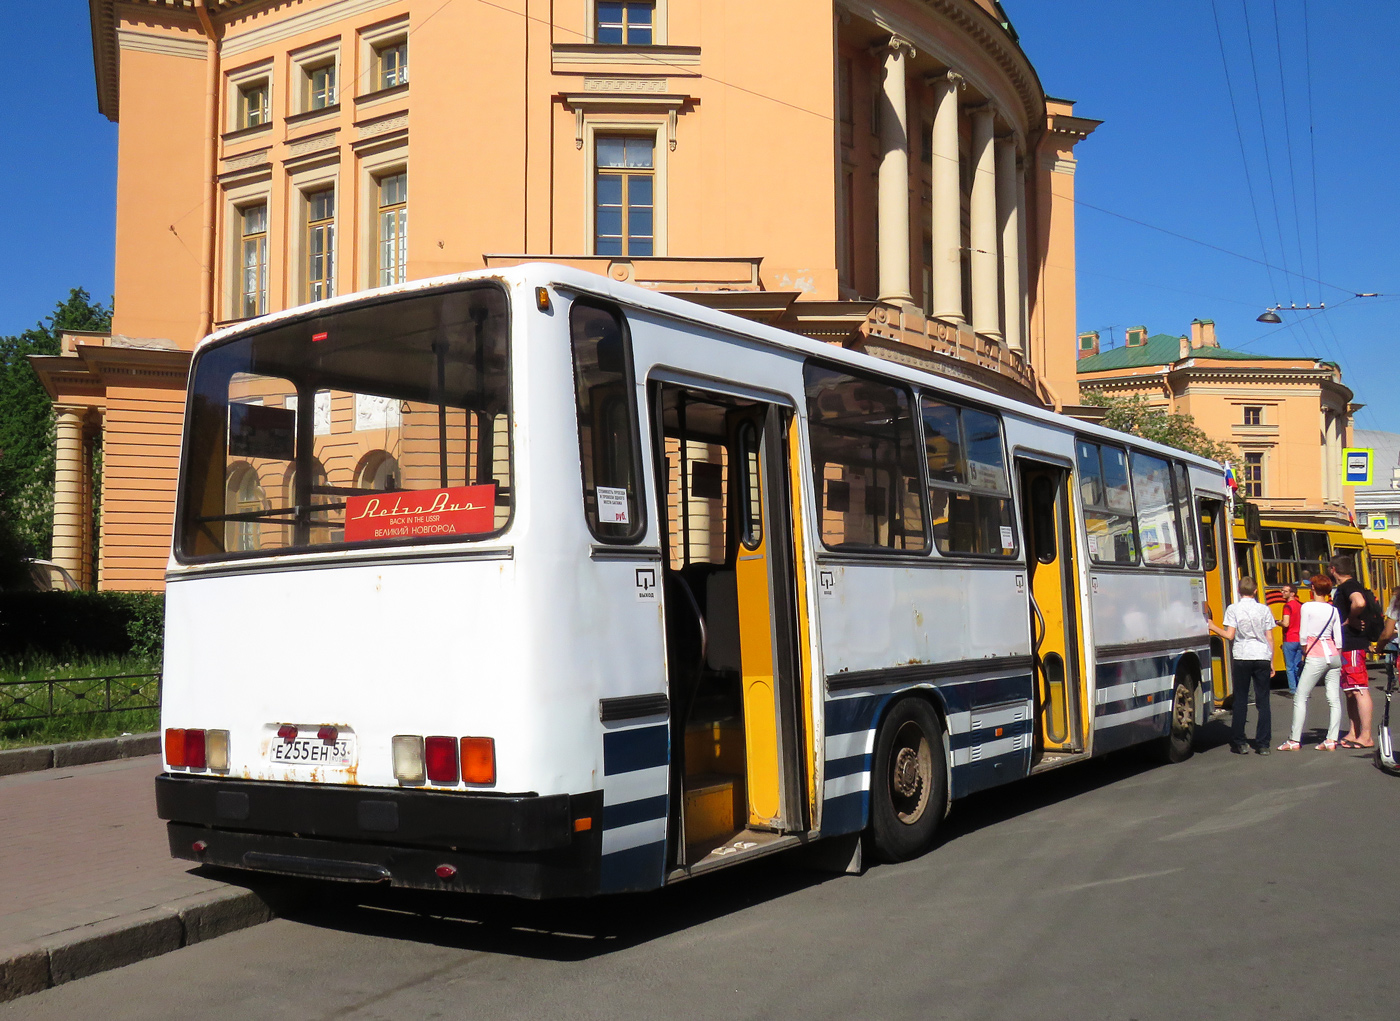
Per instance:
(374,412)
(612,506)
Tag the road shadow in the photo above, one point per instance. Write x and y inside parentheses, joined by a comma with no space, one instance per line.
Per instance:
(560,930)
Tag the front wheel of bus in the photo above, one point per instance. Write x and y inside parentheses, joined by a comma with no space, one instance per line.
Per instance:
(1178,745)
(908,782)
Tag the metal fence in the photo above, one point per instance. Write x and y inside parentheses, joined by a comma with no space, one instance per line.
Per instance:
(77,696)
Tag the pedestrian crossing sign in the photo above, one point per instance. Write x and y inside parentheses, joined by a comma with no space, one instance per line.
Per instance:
(1356,466)
(1377,523)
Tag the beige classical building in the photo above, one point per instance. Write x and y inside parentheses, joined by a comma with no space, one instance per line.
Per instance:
(1288,418)
(888,175)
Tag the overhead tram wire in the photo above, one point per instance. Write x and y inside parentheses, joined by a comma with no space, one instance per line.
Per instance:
(1288,145)
(1264,138)
(1239,134)
(1312,142)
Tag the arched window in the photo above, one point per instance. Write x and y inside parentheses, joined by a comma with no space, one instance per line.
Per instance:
(379,470)
(243,494)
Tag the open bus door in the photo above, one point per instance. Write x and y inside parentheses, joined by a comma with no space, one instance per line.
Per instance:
(1216,548)
(731,624)
(1054,607)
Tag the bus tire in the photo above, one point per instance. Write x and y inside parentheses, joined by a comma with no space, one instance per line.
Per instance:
(908,781)
(1180,742)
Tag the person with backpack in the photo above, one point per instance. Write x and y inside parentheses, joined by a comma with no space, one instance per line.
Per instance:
(1321,632)
(1362,624)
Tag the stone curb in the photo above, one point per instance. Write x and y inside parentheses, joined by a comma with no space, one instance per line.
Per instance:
(77,753)
(117,942)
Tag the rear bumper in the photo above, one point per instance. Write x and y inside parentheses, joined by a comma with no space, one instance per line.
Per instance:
(524,846)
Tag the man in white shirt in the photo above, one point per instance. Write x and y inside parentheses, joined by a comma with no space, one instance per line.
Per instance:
(1250,626)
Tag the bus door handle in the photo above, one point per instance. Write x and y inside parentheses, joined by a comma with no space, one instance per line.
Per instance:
(699,617)
(1039,639)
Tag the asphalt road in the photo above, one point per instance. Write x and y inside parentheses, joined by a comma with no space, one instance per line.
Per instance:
(1226,886)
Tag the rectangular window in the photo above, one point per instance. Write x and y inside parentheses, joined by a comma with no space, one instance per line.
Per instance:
(391,228)
(253,105)
(625,23)
(409,444)
(1158,527)
(1107,496)
(319,86)
(609,450)
(252,285)
(320,245)
(1253,416)
(969,490)
(1313,553)
(1280,556)
(391,64)
(625,196)
(845,78)
(864,462)
(1185,513)
(1252,485)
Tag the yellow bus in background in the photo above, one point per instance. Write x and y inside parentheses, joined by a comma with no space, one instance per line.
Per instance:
(1280,552)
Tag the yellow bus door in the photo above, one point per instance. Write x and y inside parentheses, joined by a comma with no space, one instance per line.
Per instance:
(1215,539)
(1054,608)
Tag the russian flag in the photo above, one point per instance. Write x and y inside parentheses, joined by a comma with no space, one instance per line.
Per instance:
(1230,477)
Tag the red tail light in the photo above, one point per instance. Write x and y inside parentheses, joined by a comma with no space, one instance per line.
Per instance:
(479,760)
(194,749)
(287,732)
(328,734)
(441,756)
(175,747)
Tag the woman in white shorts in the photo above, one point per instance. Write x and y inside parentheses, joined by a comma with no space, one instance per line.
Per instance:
(1320,633)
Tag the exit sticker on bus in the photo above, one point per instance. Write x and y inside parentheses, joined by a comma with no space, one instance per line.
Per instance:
(421,514)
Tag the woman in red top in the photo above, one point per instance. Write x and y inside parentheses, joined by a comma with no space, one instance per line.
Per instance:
(1292,648)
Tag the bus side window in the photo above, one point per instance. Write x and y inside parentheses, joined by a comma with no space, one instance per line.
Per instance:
(607,429)
(864,461)
(1183,510)
(1108,504)
(1209,557)
(969,491)
(1157,523)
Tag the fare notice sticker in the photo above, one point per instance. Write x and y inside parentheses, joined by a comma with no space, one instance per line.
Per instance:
(424,513)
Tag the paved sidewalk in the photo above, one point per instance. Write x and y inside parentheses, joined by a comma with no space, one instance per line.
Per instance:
(82,845)
(87,882)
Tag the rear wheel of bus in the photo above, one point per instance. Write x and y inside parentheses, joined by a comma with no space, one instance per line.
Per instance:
(1180,742)
(908,782)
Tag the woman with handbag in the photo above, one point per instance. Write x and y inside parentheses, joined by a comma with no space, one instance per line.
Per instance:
(1320,629)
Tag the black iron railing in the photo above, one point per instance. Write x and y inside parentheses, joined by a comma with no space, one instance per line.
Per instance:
(48,697)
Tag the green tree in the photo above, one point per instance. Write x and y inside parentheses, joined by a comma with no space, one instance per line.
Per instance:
(27,429)
(1136,415)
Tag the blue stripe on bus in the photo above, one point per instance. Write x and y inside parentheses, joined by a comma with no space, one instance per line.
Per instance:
(850,715)
(836,768)
(964,696)
(629,812)
(1123,671)
(999,769)
(1111,738)
(636,868)
(844,814)
(641,748)
(1122,705)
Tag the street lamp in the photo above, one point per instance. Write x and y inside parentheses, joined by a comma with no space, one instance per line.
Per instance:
(1271,314)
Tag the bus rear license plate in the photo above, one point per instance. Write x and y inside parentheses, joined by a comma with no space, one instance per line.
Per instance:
(312,751)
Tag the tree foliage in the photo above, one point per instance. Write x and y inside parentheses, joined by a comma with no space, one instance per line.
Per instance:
(1135,414)
(27,430)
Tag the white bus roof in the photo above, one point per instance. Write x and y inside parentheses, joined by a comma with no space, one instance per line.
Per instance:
(543,273)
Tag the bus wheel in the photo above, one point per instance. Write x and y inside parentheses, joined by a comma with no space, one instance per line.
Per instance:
(1178,745)
(908,782)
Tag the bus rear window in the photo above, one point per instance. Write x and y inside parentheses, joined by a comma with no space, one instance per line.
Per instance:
(383,424)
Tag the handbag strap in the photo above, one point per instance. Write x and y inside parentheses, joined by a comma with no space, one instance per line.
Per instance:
(1318,637)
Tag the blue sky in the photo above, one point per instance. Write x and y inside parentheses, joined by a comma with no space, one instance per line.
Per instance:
(1169,154)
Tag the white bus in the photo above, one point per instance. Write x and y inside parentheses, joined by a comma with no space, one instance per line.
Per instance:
(535,583)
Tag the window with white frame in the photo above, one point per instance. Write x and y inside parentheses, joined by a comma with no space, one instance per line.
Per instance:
(625,22)
(319,248)
(318,82)
(624,214)
(252,277)
(391,229)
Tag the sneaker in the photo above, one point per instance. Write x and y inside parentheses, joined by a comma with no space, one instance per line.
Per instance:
(1263,749)
(1240,749)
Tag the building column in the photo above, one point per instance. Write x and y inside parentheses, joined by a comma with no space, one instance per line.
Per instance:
(1009,228)
(894,174)
(69,512)
(983,214)
(947,200)
(1023,261)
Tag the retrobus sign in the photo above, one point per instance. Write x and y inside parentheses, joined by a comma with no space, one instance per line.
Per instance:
(1356,466)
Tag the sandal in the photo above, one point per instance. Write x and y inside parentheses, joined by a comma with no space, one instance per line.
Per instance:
(1327,746)
(1358,744)
(1289,746)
